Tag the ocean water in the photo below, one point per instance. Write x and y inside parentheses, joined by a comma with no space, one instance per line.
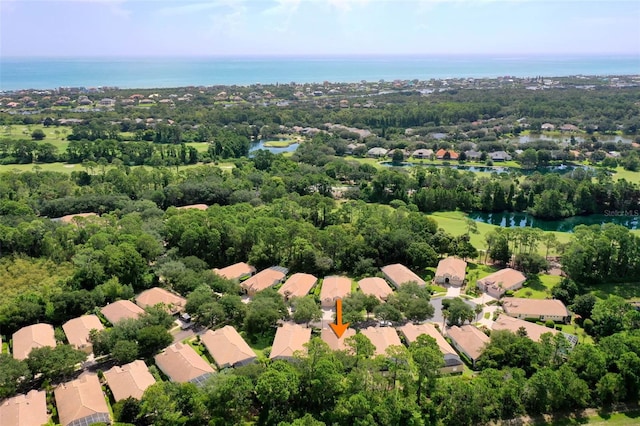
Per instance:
(50,73)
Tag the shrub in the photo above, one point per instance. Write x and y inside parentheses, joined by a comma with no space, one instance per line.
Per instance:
(588,325)
(550,323)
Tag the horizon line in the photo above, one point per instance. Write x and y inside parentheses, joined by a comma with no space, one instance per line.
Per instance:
(494,55)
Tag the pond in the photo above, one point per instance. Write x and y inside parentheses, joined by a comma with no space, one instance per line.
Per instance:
(255,146)
(510,219)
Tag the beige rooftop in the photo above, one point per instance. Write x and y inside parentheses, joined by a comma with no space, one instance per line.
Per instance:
(382,338)
(31,337)
(237,271)
(333,288)
(289,339)
(298,285)
(264,279)
(399,274)
(534,307)
(452,268)
(412,331)
(122,309)
(227,347)
(130,380)
(157,295)
(25,410)
(469,339)
(375,286)
(81,399)
(77,330)
(182,364)
(329,337)
(508,277)
(534,331)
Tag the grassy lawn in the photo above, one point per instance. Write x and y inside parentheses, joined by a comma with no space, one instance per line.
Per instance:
(630,176)
(436,289)
(538,289)
(600,418)
(68,168)
(19,131)
(454,223)
(199,146)
(575,329)
(630,291)
(479,271)
(259,345)
(280,144)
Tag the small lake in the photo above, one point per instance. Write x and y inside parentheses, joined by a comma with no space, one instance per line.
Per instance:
(510,219)
(255,146)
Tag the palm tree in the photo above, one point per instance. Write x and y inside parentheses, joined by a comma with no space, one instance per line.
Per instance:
(478,310)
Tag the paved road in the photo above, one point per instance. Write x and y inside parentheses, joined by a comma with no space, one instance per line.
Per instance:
(180,335)
(437,304)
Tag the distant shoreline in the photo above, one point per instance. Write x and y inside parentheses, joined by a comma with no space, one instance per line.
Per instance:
(154,72)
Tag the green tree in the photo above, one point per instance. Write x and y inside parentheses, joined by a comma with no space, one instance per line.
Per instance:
(13,373)
(38,135)
(306,310)
(125,351)
(459,311)
(55,363)
(428,360)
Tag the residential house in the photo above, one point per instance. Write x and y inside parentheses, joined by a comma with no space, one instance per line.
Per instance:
(78,330)
(289,339)
(446,154)
(334,288)
(547,127)
(182,364)
(499,156)
(107,102)
(382,338)
(533,331)
(298,285)
(120,310)
(398,274)
(451,270)
(31,337)
(422,153)
(452,362)
(352,147)
(81,402)
(473,155)
(264,279)
(156,295)
(500,281)
(129,380)
(25,410)
(375,286)
(227,347)
(539,309)
(468,340)
(377,152)
(569,128)
(336,344)
(236,272)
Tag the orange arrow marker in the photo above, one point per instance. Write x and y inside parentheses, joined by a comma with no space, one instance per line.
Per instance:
(339,328)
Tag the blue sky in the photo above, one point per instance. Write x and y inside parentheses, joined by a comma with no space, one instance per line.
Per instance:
(317,27)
